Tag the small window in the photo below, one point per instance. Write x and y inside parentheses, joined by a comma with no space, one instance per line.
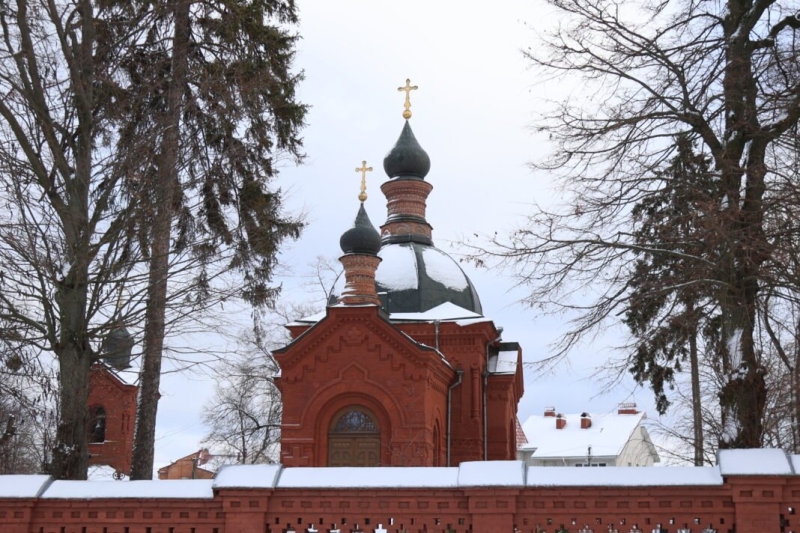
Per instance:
(355,421)
(97,424)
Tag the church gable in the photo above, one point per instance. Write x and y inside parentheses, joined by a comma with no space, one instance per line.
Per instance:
(358,334)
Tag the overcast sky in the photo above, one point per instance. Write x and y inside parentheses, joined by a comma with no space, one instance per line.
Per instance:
(473,114)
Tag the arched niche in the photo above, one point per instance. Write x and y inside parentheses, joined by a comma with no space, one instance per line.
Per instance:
(354,438)
(97,424)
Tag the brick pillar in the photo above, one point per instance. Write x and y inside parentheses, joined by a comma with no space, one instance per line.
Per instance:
(492,509)
(359,275)
(757,500)
(245,510)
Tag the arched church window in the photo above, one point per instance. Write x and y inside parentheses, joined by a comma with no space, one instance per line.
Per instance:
(354,439)
(97,424)
(355,421)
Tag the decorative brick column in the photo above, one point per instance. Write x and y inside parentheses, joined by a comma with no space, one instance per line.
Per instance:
(406,206)
(359,275)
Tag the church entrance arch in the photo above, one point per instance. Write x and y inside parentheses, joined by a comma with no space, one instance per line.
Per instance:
(354,438)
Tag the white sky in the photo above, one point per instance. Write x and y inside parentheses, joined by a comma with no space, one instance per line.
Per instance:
(472,114)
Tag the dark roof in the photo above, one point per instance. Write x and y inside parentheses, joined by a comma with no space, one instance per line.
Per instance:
(415,277)
(407,159)
(362,238)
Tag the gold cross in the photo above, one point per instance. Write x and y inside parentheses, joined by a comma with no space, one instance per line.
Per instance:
(407,89)
(364,169)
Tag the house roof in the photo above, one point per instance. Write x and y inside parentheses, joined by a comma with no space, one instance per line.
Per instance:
(607,435)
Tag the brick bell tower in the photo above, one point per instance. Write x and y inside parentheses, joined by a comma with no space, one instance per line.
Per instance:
(404,370)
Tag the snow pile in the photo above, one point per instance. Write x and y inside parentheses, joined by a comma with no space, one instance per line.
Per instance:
(16,486)
(757,462)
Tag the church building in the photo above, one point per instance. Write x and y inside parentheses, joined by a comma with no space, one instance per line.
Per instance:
(403,369)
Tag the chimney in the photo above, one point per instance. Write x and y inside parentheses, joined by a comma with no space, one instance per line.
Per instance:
(586,421)
(628,408)
(549,411)
(561,422)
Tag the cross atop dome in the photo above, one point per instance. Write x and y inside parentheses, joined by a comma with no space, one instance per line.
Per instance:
(362,196)
(407,105)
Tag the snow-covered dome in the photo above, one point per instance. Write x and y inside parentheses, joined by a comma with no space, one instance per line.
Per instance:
(415,277)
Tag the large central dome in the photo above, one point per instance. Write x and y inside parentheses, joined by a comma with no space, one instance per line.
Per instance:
(415,277)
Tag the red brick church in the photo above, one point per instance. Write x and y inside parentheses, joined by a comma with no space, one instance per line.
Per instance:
(404,369)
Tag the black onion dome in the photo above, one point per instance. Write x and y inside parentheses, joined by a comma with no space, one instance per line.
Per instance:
(362,238)
(116,348)
(407,158)
(416,277)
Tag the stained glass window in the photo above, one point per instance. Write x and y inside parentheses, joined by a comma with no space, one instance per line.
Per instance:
(355,421)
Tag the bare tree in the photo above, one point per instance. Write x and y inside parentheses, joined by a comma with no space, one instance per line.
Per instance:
(64,212)
(244,415)
(724,76)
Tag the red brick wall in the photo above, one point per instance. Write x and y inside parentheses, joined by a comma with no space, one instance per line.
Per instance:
(744,505)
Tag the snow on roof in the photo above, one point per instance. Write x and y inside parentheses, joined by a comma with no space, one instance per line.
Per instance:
(757,462)
(607,436)
(491,474)
(445,311)
(795,459)
(102,473)
(311,319)
(441,268)
(84,490)
(247,476)
(505,362)
(19,486)
(468,474)
(398,270)
(648,476)
(470,321)
(374,477)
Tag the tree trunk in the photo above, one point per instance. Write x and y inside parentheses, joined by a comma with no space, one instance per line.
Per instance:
(71,454)
(743,398)
(166,181)
(697,407)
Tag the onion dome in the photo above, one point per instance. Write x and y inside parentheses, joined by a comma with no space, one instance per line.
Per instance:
(116,348)
(362,238)
(415,277)
(407,159)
